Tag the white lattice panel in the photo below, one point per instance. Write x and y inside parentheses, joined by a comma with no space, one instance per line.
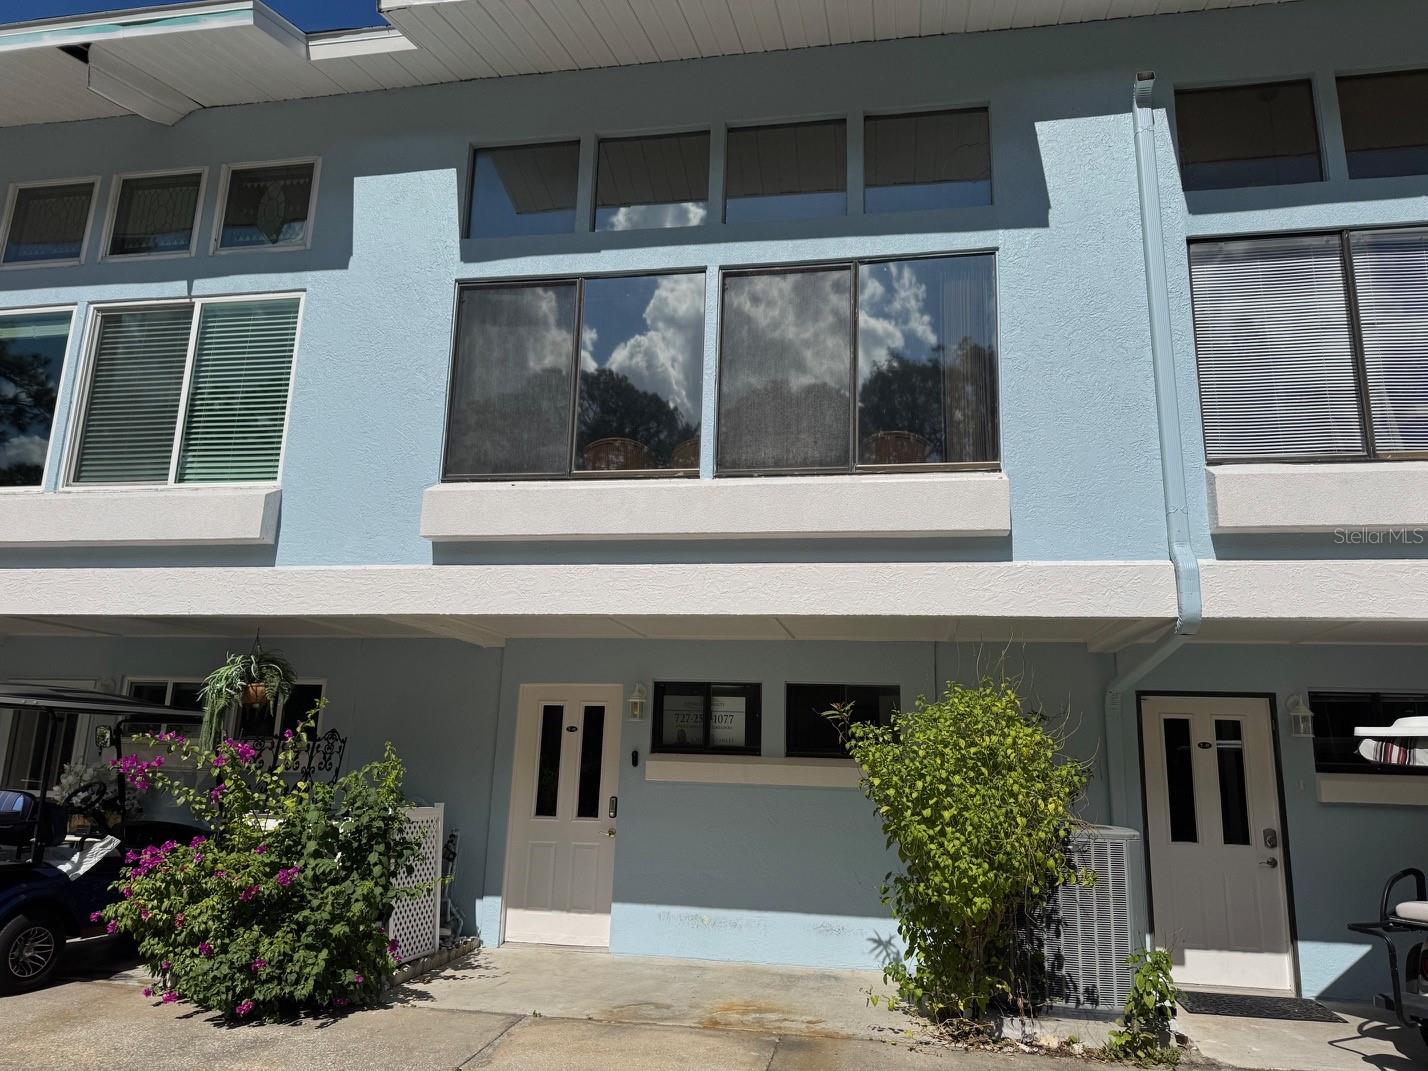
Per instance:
(415,922)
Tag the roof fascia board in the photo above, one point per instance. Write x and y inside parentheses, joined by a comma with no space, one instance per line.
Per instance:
(53,33)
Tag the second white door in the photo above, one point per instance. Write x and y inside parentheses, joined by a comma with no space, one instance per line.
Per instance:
(1216,843)
(561,856)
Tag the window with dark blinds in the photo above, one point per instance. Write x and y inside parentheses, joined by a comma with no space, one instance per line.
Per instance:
(1313,346)
(48,223)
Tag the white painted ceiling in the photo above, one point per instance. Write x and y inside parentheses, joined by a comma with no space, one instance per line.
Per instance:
(219,52)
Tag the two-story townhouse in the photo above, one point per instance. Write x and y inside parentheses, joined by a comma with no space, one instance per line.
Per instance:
(584,396)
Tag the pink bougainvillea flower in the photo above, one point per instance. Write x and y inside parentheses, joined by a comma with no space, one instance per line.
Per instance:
(356,979)
(216,792)
(178,921)
(169,996)
(257,965)
(340,1002)
(287,734)
(166,966)
(95,916)
(260,849)
(393,945)
(112,927)
(128,892)
(248,893)
(242,1008)
(148,991)
(220,873)
(200,839)
(143,914)
(286,876)
(205,949)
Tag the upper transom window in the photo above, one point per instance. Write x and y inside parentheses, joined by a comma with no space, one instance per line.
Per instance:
(927,161)
(524,189)
(1261,135)
(1385,120)
(578,376)
(48,223)
(802,390)
(652,182)
(267,206)
(791,171)
(155,215)
(191,393)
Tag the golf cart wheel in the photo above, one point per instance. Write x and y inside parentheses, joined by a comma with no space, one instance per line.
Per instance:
(31,947)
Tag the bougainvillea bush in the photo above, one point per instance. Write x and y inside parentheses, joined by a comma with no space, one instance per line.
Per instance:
(281,907)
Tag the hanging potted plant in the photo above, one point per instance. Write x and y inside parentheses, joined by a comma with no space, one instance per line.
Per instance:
(260,678)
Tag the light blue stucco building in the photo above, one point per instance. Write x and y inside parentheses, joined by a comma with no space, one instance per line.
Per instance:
(1096,349)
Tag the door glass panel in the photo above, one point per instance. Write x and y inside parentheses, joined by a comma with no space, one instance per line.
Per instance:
(548,765)
(1234,803)
(592,747)
(1180,780)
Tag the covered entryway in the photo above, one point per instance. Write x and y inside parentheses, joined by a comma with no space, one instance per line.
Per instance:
(560,864)
(1218,886)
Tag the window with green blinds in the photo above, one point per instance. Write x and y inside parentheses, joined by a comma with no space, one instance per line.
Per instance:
(239,395)
(134,396)
(235,367)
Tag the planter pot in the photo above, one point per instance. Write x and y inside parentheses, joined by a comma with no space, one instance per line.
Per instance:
(253,695)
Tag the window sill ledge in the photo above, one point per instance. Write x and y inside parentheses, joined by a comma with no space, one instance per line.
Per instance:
(771,507)
(1317,498)
(1393,790)
(141,517)
(753,770)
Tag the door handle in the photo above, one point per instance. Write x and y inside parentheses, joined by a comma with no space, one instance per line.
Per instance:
(1273,864)
(609,832)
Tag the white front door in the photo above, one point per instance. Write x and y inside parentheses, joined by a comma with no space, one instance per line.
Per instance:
(560,862)
(1216,842)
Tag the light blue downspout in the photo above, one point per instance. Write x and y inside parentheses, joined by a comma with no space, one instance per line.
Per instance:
(1121,769)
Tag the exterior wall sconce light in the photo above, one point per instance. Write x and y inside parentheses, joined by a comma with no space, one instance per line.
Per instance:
(638,698)
(1301,718)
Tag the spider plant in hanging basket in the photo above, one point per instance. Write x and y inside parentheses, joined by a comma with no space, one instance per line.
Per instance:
(260,678)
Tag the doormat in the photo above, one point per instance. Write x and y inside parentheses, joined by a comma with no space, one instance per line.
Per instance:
(1247,1007)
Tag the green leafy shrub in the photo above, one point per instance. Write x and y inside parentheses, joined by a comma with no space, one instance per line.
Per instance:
(1145,1036)
(977,799)
(282,906)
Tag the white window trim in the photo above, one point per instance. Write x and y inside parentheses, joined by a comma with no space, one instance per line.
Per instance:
(80,409)
(114,191)
(9,218)
(54,447)
(220,208)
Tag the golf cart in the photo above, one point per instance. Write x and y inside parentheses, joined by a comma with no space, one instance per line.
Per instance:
(59,856)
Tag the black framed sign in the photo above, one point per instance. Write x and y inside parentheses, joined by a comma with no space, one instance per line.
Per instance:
(700,717)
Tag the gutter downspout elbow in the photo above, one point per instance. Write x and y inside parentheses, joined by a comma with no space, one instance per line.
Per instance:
(1123,770)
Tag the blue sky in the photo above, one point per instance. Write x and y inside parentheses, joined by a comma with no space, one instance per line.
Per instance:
(307,14)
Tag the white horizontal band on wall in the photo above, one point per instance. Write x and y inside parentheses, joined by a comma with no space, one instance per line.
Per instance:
(891,590)
(157,517)
(1283,498)
(1350,591)
(913,505)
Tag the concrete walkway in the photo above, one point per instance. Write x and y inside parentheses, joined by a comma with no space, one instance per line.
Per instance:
(537,1008)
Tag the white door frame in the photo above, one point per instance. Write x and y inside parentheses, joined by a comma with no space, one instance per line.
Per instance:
(1152,781)
(560,927)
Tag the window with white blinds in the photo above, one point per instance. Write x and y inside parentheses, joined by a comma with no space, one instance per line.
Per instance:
(1313,347)
(1391,284)
(219,370)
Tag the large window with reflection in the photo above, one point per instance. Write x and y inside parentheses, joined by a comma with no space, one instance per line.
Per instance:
(523,190)
(878,365)
(32,346)
(577,377)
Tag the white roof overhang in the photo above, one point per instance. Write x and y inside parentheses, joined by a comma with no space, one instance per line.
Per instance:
(162,63)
